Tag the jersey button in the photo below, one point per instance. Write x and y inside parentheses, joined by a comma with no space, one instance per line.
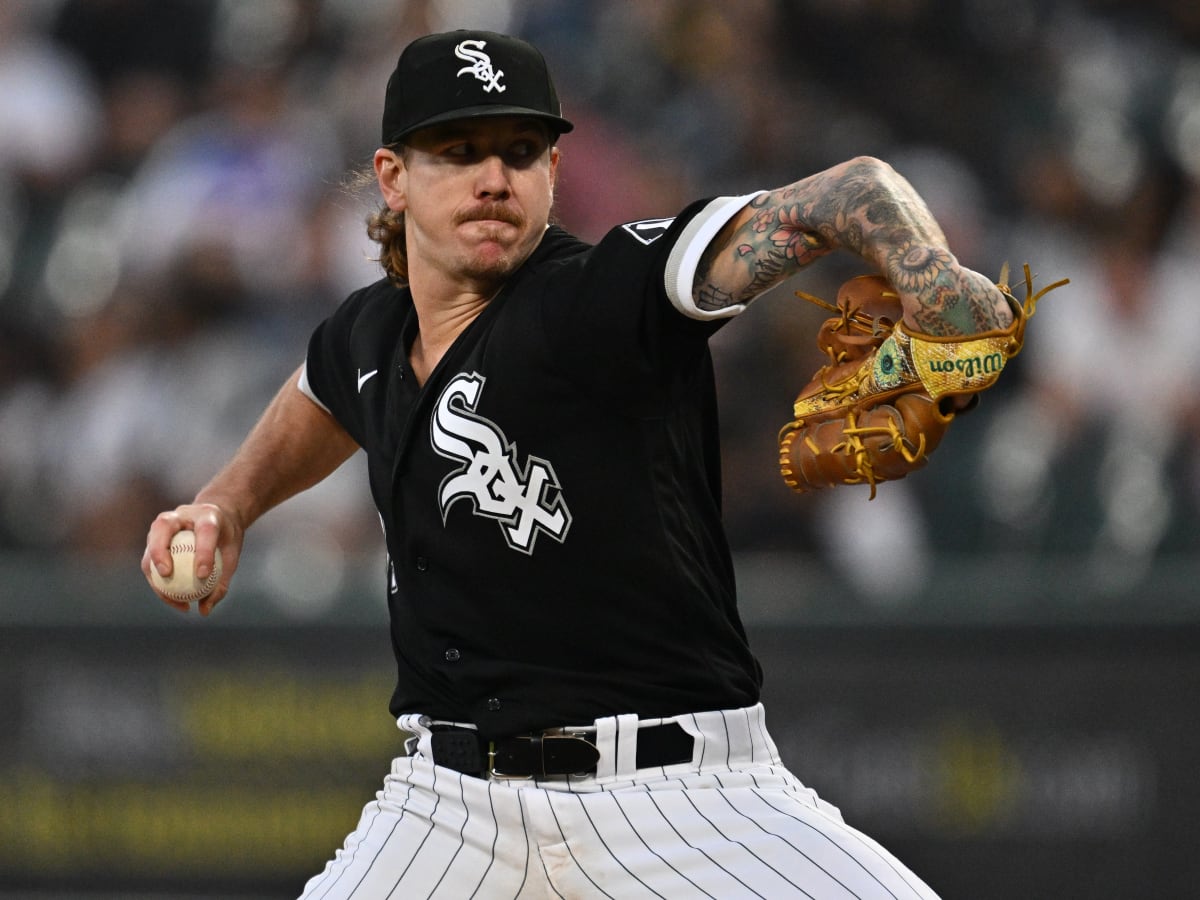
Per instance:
(422,564)
(453,655)
(493,704)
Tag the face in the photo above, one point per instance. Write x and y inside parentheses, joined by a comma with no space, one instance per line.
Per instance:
(476,196)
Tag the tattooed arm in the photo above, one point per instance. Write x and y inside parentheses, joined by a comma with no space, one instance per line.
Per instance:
(865,207)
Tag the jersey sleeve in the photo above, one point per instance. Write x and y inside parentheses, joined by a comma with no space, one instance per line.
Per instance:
(320,379)
(338,351)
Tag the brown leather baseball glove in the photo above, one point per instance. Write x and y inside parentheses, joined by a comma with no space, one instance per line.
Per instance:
(884,401)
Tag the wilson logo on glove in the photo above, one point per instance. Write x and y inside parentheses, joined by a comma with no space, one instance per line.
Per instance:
(992,363)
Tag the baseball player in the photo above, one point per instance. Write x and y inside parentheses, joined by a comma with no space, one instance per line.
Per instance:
(539,422)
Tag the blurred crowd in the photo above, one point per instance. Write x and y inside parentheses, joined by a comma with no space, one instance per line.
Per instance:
(176,216)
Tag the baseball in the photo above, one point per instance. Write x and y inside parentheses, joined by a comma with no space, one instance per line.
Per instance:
(182,584)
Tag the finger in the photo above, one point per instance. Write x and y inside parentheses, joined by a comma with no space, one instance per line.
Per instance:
(158,543)
(174,604)
(207,525)
(207,604)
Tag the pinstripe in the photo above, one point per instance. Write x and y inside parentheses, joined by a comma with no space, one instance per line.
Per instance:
(700,850)
(550,884)
(382,845)
(386,841)
(851,834)
(724,795)
(753,776)
(461,835)
(527,830)
(617,802)
(587,814)
(703,741)
(495,841)
(437,802)
(691,802)
(728,743)
(761,719)
(371,865)
(407,865)
(751,743)
(348,856)
(530,828)
(562,834)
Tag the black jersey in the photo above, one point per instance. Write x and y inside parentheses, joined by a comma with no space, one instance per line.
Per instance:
(551,495)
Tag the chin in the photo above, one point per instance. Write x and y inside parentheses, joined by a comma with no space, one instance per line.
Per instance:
(498,260)
(491,267)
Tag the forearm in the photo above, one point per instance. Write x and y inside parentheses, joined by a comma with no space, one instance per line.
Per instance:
(865,207)
(293,446)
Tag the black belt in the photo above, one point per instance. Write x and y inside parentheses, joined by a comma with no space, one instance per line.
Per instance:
(556,752)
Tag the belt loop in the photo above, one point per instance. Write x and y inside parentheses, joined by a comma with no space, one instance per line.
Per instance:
(606,743)
(626,755)
(418,729)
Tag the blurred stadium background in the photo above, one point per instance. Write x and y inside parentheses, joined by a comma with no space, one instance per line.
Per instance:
(992,667)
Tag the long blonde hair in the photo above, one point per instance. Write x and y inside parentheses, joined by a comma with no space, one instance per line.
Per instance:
(385,226)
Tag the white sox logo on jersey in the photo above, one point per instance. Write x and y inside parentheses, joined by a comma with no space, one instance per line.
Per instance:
(481,65)
(526,502)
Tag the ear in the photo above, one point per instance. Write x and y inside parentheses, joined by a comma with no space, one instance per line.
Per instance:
(390,172)
(554,158)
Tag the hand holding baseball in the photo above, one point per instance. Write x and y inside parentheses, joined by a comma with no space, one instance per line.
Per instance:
(184,584)
(191,554)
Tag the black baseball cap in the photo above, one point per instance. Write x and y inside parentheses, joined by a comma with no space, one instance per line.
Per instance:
(466,75)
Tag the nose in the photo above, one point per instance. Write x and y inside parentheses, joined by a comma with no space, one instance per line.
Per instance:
(492,179)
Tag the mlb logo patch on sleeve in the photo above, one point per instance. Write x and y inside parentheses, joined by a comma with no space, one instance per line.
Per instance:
(647,231)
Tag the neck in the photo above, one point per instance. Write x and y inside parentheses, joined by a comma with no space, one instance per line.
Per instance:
(440,321)
(446,302)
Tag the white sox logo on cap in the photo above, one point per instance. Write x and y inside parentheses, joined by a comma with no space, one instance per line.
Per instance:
(481,65)
(427,86)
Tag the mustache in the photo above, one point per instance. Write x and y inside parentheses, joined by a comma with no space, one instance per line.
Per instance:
(495,211)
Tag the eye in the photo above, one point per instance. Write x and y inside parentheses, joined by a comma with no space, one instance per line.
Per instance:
(461,150)
(523,152)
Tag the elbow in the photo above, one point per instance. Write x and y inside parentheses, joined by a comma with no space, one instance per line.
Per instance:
(870,167)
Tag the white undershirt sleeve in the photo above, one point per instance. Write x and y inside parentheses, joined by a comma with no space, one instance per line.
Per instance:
(685,256)
(306,388)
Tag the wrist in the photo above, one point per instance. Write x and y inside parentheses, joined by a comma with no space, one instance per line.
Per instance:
(957,303)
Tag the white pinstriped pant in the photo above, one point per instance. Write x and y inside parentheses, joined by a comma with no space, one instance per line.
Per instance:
(733,823)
